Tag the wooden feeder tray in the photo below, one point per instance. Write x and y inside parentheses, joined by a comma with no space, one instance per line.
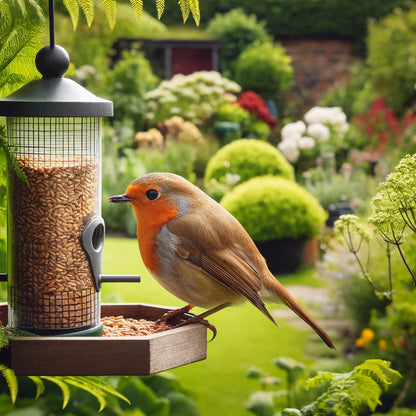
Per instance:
(81,356)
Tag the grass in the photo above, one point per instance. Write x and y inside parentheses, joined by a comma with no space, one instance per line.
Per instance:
(245,337)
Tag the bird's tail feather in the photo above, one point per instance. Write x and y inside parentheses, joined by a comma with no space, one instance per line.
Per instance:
(280,294)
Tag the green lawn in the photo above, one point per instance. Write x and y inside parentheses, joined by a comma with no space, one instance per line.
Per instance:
(245,337)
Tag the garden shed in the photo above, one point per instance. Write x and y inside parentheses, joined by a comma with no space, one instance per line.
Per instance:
(174,56)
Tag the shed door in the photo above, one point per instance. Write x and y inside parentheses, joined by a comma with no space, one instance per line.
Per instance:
(188,60)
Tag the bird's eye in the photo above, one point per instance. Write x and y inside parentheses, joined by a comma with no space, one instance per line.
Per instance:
(152,194)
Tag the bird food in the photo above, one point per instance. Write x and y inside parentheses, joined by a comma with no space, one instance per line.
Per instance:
(119,326)
(51,285)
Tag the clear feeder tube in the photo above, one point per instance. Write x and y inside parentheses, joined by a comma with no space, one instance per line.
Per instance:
(50,284)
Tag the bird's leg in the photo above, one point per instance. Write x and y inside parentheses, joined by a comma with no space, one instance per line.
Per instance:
(200,319)
(173,313)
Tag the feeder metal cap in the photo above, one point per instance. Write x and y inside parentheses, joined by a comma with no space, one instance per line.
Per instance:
(52,95)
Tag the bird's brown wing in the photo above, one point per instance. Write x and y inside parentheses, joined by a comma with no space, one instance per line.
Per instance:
(230,268)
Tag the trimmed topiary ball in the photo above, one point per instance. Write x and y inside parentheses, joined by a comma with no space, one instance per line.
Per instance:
(272,208)
(247,158)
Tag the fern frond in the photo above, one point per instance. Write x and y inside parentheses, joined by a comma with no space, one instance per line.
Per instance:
(11,159)
(196,14)
(98,384)
(73,10)
(160,7)
(185,9)
(63,386)
(137,8)
(348,393)
(40,386)
(4,336)
(85,384)
(87,6)
(319,379)
(378,371)
(110,8)
(11,381)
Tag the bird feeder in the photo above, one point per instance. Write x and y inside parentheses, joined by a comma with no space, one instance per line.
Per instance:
(55,229)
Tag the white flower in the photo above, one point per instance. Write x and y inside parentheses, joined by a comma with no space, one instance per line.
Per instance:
(232,178)
(175,110)
(306,143)
(319,131)
(290,150)
(293,130)
(325,115)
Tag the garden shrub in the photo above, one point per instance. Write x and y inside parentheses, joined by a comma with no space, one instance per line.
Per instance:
(272,208)
(129,81)
(247,158)
(194,97)
(265,69)
(237,30)
(311,19)
(391,49)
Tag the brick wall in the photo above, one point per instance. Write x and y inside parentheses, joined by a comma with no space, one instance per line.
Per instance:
(319,65)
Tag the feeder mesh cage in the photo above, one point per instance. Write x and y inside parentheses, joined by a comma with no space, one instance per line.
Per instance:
(50,283)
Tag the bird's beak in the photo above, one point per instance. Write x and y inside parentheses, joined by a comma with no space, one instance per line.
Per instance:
(120,198)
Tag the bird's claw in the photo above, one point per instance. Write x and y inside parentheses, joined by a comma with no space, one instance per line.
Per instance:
(189,320)
(198,320)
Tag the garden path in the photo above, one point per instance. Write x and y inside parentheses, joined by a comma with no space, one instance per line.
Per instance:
(317,301)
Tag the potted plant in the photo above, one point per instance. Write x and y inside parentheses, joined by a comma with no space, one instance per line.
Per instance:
(280,216)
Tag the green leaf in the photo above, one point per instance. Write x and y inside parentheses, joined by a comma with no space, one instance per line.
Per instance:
(73,10)
(194,4)
(96,383)
(11,381)
(137,8)
(185,9)
(82,383)
(87,7)
(160,7)
(10,158)
(63,386)
(110,8)
(40,386)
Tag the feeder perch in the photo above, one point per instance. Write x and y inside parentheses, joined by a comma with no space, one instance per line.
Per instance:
(56,232)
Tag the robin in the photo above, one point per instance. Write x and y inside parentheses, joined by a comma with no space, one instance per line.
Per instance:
(199,252)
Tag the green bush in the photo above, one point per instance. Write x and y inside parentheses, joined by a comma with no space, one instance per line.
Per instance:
(272,208)
(247,158)
(237,30)
(308,18)
(391,50)
(265,69)
(129,81)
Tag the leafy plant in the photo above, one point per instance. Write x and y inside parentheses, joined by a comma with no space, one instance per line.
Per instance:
(129,81)
(394,206)
(95,386)
(237,30)
(391,43)
(110,7)
(21,27)
(265,69)
(349,393)
(272,208)
(345,394)
(194,97)
(245,159)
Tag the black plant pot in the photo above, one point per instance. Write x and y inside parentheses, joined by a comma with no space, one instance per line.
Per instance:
(284,255)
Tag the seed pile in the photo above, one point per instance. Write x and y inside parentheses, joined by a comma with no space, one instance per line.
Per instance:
(119,326)
(47,220)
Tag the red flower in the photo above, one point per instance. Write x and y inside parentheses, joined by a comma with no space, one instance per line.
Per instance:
(254,104)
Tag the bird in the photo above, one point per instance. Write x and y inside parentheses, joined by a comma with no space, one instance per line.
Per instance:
(199,252)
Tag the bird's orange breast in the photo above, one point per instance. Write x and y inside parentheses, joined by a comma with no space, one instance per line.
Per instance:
(150,219)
